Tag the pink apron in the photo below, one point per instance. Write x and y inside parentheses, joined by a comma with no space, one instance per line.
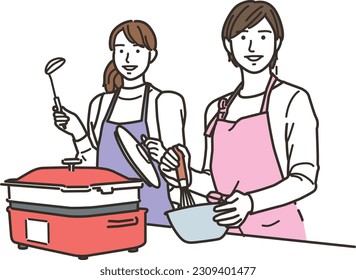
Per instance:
(243,151)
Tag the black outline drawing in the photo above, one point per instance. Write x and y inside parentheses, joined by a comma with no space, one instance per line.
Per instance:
(159,154)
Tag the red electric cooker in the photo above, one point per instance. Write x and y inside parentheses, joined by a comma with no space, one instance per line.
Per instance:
(80,211)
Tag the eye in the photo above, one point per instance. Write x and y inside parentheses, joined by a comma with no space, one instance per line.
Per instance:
(121,51)
(263,37)
(137,51)
(243,37)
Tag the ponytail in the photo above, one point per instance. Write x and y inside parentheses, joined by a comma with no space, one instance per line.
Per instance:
(112,78)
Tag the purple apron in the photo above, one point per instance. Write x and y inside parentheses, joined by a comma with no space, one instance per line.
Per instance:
(110,156)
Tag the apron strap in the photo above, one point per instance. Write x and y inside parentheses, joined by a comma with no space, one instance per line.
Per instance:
(111,105)
(223,106)
(144,103)
(225,103)
(220,115)
(270,85)
(211,126)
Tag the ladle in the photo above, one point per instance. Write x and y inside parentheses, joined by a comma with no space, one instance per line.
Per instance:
(52,66)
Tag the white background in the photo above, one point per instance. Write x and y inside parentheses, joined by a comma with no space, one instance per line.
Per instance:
(318,54)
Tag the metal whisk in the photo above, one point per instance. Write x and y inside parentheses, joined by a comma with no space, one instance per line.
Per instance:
(186,198)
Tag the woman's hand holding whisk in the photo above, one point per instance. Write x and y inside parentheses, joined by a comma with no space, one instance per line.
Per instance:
(170,163)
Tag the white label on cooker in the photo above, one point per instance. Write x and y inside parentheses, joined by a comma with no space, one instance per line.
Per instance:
(37,231)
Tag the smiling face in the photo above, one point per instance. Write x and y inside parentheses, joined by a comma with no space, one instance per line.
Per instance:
(253,48)
(131,60)
(252,35)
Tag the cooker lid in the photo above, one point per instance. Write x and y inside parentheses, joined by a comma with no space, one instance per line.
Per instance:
(70,177)
(137,156)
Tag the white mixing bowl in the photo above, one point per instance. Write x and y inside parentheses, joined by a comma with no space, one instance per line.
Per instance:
(195,223)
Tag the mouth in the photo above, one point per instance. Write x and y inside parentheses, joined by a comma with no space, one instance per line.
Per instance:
(253,58)
(129,67)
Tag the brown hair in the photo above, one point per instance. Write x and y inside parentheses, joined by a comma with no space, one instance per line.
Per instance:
(246,15)
(137,32)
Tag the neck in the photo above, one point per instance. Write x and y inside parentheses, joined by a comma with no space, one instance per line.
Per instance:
(133,83)
(254,83)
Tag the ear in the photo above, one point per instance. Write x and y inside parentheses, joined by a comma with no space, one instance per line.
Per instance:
(153,55)
(228,46)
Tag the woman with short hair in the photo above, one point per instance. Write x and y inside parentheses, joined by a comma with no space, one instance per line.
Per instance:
(261,139)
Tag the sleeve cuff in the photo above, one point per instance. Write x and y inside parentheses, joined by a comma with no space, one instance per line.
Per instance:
(82,145)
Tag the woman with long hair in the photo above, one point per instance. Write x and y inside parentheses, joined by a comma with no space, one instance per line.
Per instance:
(134,104)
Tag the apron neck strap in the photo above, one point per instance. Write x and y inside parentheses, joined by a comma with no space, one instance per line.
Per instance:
(145,100)
(270,85)
(144,104)
(224,103)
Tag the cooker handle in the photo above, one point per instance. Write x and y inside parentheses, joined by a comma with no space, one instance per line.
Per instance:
(71,162)
(122,223)
(106,189)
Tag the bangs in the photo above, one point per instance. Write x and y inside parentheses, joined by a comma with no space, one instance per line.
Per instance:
(139,35)
(137,32)
(247,15)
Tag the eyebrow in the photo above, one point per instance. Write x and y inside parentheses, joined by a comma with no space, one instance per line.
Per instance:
(264,31)
(123,45)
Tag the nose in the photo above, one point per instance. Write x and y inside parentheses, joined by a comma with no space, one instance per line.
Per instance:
(250,49)
(127,57)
